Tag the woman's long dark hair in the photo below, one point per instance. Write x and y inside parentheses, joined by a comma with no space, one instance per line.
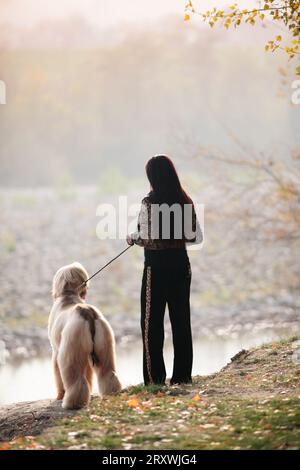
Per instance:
(165,183)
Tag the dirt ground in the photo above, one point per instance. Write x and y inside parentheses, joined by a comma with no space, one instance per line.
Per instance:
(252,403)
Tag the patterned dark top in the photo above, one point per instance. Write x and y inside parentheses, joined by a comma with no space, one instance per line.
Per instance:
(148,229)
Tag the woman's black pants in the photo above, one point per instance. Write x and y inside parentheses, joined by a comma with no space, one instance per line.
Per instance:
(164,285)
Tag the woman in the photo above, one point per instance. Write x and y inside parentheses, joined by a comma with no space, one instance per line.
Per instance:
(167,221)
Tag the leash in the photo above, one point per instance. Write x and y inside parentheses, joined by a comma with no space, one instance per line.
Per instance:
(105,266)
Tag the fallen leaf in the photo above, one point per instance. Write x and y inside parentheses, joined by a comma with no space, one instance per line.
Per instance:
(208,426)
(133,403)
(197,398)
(94,418)
(31,446)
(5,446)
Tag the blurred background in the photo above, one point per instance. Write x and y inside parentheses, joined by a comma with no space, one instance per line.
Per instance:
(94,88)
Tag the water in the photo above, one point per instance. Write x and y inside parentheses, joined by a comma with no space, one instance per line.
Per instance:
(33,379)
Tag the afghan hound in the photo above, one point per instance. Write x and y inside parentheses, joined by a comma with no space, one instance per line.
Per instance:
(82,341)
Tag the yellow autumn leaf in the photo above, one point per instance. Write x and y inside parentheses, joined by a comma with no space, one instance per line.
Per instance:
(186,17)
(279,38)
(32,445)
(5,446)
(197,398)
(133,403)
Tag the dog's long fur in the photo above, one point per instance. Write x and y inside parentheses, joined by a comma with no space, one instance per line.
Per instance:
(82,341)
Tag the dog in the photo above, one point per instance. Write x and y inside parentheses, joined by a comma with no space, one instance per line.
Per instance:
(82,341)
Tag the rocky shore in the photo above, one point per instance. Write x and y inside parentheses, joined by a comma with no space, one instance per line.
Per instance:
(279,315)
(239,284)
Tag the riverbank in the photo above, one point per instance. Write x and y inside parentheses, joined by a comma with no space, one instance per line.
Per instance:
(239,284)
(279,315)
(252,403)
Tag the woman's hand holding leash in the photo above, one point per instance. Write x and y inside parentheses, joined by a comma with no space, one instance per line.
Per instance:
(129,240)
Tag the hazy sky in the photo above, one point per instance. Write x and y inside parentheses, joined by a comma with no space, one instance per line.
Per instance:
(104,13)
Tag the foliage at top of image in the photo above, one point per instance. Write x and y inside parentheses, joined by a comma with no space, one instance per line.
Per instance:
(286,12)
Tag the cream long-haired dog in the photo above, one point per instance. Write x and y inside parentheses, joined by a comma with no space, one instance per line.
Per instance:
(82,341)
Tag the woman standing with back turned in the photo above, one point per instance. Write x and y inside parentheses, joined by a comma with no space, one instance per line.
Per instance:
(167,221)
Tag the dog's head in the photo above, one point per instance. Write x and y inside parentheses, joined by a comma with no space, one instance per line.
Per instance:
(69,280)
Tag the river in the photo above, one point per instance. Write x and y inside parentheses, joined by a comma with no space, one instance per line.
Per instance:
(33,379)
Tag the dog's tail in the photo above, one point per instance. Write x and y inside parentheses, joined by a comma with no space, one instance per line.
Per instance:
(108,381)
(103,349)
(88,313)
